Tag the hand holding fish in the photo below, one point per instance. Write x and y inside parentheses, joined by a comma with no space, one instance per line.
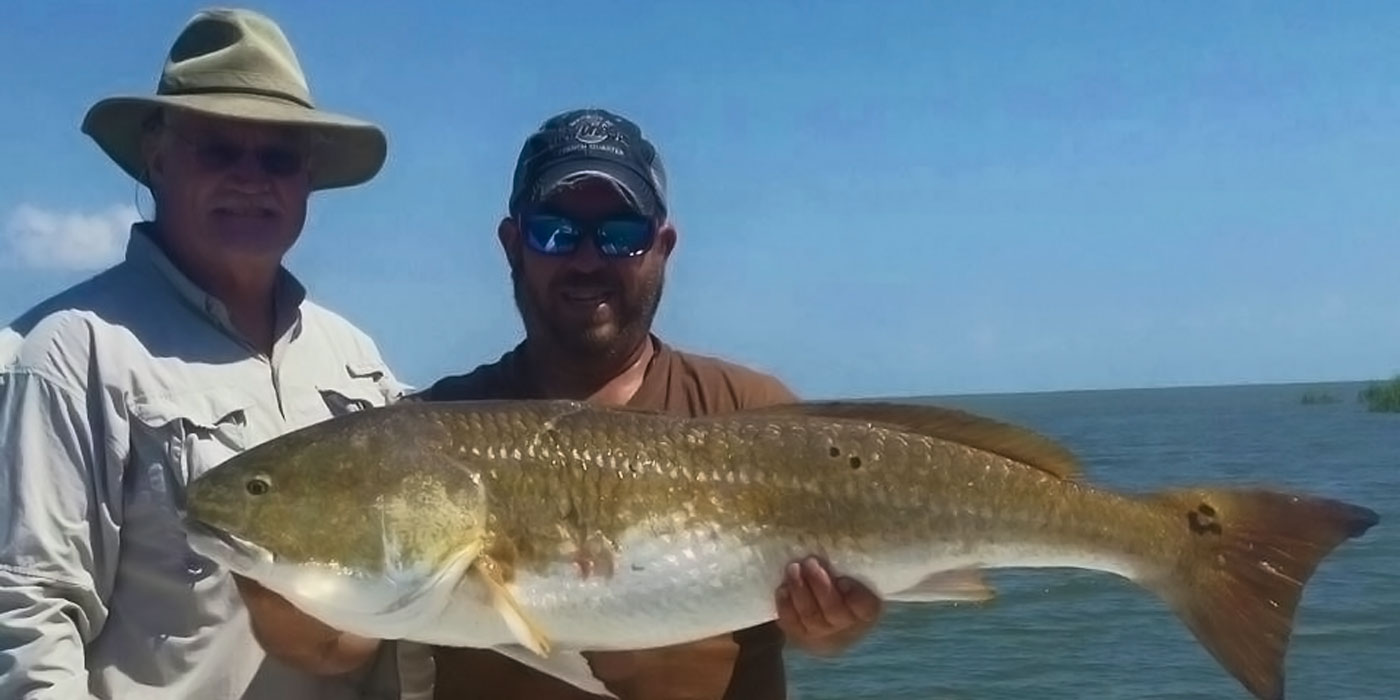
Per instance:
(299,638)
(822,613)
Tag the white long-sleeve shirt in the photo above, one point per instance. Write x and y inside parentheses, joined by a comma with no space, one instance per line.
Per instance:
(114,394)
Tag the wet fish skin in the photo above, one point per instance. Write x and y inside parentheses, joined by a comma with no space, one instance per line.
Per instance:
(561,526)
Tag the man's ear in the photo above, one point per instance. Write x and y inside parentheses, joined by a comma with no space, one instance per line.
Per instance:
(509,236)
(152,155)
(666,238)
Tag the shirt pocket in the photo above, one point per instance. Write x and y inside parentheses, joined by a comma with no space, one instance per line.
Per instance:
(362,385)
(175,439)
(195,431)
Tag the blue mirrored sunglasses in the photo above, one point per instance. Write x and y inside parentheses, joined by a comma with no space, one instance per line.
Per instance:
(616,238)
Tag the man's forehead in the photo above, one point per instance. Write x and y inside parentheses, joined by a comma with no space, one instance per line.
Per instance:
(236,129)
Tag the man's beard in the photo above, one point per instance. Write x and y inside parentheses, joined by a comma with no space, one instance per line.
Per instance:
(631,323)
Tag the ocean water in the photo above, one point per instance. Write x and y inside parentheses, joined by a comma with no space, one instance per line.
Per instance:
(1058,634)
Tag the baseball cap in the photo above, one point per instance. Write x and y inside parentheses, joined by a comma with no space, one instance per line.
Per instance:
(590,143)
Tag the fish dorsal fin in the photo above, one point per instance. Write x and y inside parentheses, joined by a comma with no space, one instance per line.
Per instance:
(1009,441)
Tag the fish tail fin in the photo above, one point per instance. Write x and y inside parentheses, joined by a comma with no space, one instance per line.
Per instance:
(1238,581)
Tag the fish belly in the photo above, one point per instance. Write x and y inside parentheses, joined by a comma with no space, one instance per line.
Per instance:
(697,584)
(662,590)
(656,591)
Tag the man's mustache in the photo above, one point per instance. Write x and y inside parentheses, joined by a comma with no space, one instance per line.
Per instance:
(588,279)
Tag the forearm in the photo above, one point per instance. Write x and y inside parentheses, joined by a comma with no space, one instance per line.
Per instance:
(300,639)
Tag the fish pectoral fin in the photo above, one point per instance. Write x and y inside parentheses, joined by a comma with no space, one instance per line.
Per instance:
(1010,441)
(566,665)
(503,601)
(953,585)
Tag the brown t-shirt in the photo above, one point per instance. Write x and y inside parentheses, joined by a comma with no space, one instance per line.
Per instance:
(744,665)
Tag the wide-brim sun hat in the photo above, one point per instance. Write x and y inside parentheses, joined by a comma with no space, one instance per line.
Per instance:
(237,64)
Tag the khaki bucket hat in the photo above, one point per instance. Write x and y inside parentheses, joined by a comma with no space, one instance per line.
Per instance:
(237,64)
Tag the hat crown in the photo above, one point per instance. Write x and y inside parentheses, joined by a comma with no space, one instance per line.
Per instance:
(586,137)
(234,51)
(237,64)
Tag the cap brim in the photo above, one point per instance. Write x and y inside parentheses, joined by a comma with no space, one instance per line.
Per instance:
(347,151)
(630,185)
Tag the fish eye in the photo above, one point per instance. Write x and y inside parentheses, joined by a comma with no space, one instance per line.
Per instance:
(258,486)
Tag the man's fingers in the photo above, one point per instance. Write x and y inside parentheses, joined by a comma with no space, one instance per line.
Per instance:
(813,604)
(828,599)
(862,602)
(800,595)
(788,619)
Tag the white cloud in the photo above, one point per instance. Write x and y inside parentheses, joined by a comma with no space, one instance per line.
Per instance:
(68,240)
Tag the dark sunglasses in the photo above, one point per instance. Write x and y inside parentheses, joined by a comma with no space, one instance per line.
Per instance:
(216,154)
(623,237)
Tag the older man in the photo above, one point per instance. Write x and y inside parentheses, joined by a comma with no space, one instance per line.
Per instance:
(587,238)
(117,392)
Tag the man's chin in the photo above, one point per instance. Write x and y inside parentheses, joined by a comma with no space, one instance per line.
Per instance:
(253,241)
(600,341)
(592,344)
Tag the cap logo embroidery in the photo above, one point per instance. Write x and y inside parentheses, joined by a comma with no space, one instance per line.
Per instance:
(592,130)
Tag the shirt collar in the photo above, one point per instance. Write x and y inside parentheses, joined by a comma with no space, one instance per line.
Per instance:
(142,250)
(654,377)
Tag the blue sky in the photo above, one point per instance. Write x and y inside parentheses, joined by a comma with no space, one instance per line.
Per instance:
(873,198)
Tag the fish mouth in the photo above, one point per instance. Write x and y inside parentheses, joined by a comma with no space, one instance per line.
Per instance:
(227,549)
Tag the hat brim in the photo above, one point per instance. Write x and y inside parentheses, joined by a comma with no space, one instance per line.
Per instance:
(630,185)
(347,151)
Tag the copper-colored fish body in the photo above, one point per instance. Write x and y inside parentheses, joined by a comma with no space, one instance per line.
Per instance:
(556,525)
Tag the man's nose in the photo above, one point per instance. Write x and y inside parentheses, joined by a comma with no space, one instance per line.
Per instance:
(248,172)
(587,258)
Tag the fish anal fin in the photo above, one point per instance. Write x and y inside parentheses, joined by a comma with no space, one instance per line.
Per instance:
(494,576)
(1245,558)
(1010,441)
(953,585)
(565,664)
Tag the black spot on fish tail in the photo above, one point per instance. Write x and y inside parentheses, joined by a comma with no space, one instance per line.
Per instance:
(853,460)
(1202,521)
(1238,589)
